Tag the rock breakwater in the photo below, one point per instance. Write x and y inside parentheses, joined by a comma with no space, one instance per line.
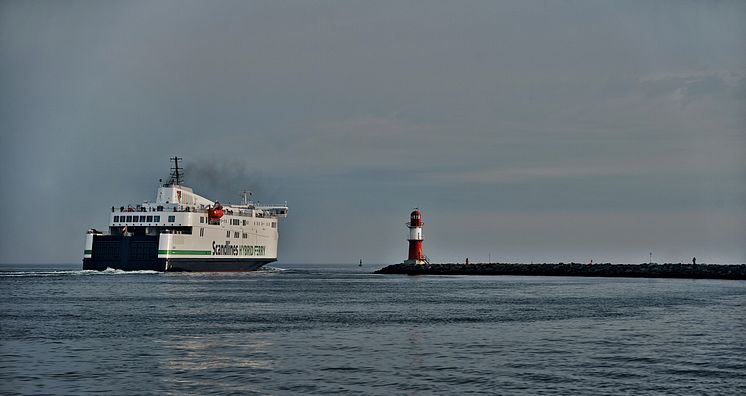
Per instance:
(693,271)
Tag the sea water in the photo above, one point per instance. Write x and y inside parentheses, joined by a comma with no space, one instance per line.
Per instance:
(319,329)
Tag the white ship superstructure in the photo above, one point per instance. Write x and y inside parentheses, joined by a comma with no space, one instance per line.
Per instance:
(183,231)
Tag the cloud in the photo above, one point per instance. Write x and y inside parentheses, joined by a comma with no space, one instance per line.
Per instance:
(688,88)
(502,175)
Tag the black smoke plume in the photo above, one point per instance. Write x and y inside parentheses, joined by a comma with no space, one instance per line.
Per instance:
(225,180)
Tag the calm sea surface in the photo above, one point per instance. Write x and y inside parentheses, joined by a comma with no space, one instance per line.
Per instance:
(325,329)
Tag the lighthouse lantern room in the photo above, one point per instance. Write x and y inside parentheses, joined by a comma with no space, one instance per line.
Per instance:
(415,238)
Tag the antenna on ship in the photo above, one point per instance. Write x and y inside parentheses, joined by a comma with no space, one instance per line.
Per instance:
(245,195)
(177,173)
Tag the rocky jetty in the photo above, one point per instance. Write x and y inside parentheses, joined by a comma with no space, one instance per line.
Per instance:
(693,271)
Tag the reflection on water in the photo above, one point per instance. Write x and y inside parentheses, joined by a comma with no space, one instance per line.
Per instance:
(196,363)
(325,329)
(199,353)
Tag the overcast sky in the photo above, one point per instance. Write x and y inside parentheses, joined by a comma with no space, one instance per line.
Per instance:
(531,131)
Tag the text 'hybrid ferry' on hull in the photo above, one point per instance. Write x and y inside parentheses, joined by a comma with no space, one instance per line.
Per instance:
(182,231)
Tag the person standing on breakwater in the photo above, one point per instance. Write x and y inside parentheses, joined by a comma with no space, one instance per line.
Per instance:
(694,261)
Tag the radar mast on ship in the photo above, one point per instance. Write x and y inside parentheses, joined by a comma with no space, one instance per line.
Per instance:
(177,173)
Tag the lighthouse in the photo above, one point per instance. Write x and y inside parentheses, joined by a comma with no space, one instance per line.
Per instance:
(415,238)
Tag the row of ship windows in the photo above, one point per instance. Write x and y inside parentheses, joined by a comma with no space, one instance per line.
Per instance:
(227,234)
(202,219)
(171,219)
(149,219)
(236,234)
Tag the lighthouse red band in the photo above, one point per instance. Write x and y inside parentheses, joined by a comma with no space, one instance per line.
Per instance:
(415,238)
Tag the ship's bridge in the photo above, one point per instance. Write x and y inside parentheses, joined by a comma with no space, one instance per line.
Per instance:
(152,219)
(177,207)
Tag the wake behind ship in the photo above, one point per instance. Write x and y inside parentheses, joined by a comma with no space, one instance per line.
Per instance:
(182,231)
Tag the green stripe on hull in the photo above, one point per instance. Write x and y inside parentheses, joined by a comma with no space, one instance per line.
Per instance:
(87,251)
(186,252)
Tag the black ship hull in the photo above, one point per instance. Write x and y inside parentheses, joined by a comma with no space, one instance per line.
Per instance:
(140,253)
(177,265)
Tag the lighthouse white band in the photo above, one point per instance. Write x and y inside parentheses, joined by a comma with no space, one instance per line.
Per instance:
(415,233)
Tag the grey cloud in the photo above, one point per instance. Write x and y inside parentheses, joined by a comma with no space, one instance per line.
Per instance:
(698,86)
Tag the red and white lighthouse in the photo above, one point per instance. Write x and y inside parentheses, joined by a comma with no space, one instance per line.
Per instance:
(415,238)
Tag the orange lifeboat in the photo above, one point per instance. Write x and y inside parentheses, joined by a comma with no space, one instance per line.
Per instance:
(215,212)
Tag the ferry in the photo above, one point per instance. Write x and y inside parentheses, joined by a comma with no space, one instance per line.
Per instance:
(183,231)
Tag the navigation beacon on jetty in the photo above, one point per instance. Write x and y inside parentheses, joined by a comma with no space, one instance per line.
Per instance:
(415,239)
(182,231)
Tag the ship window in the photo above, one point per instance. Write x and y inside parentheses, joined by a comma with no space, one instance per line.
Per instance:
(201,232)
(129,218)
(245,235)
(142,218)
(235,234)
(227,234)
(274,224)
(201,219)
(156,218)
(149,219)
(171,219)
(116,219)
